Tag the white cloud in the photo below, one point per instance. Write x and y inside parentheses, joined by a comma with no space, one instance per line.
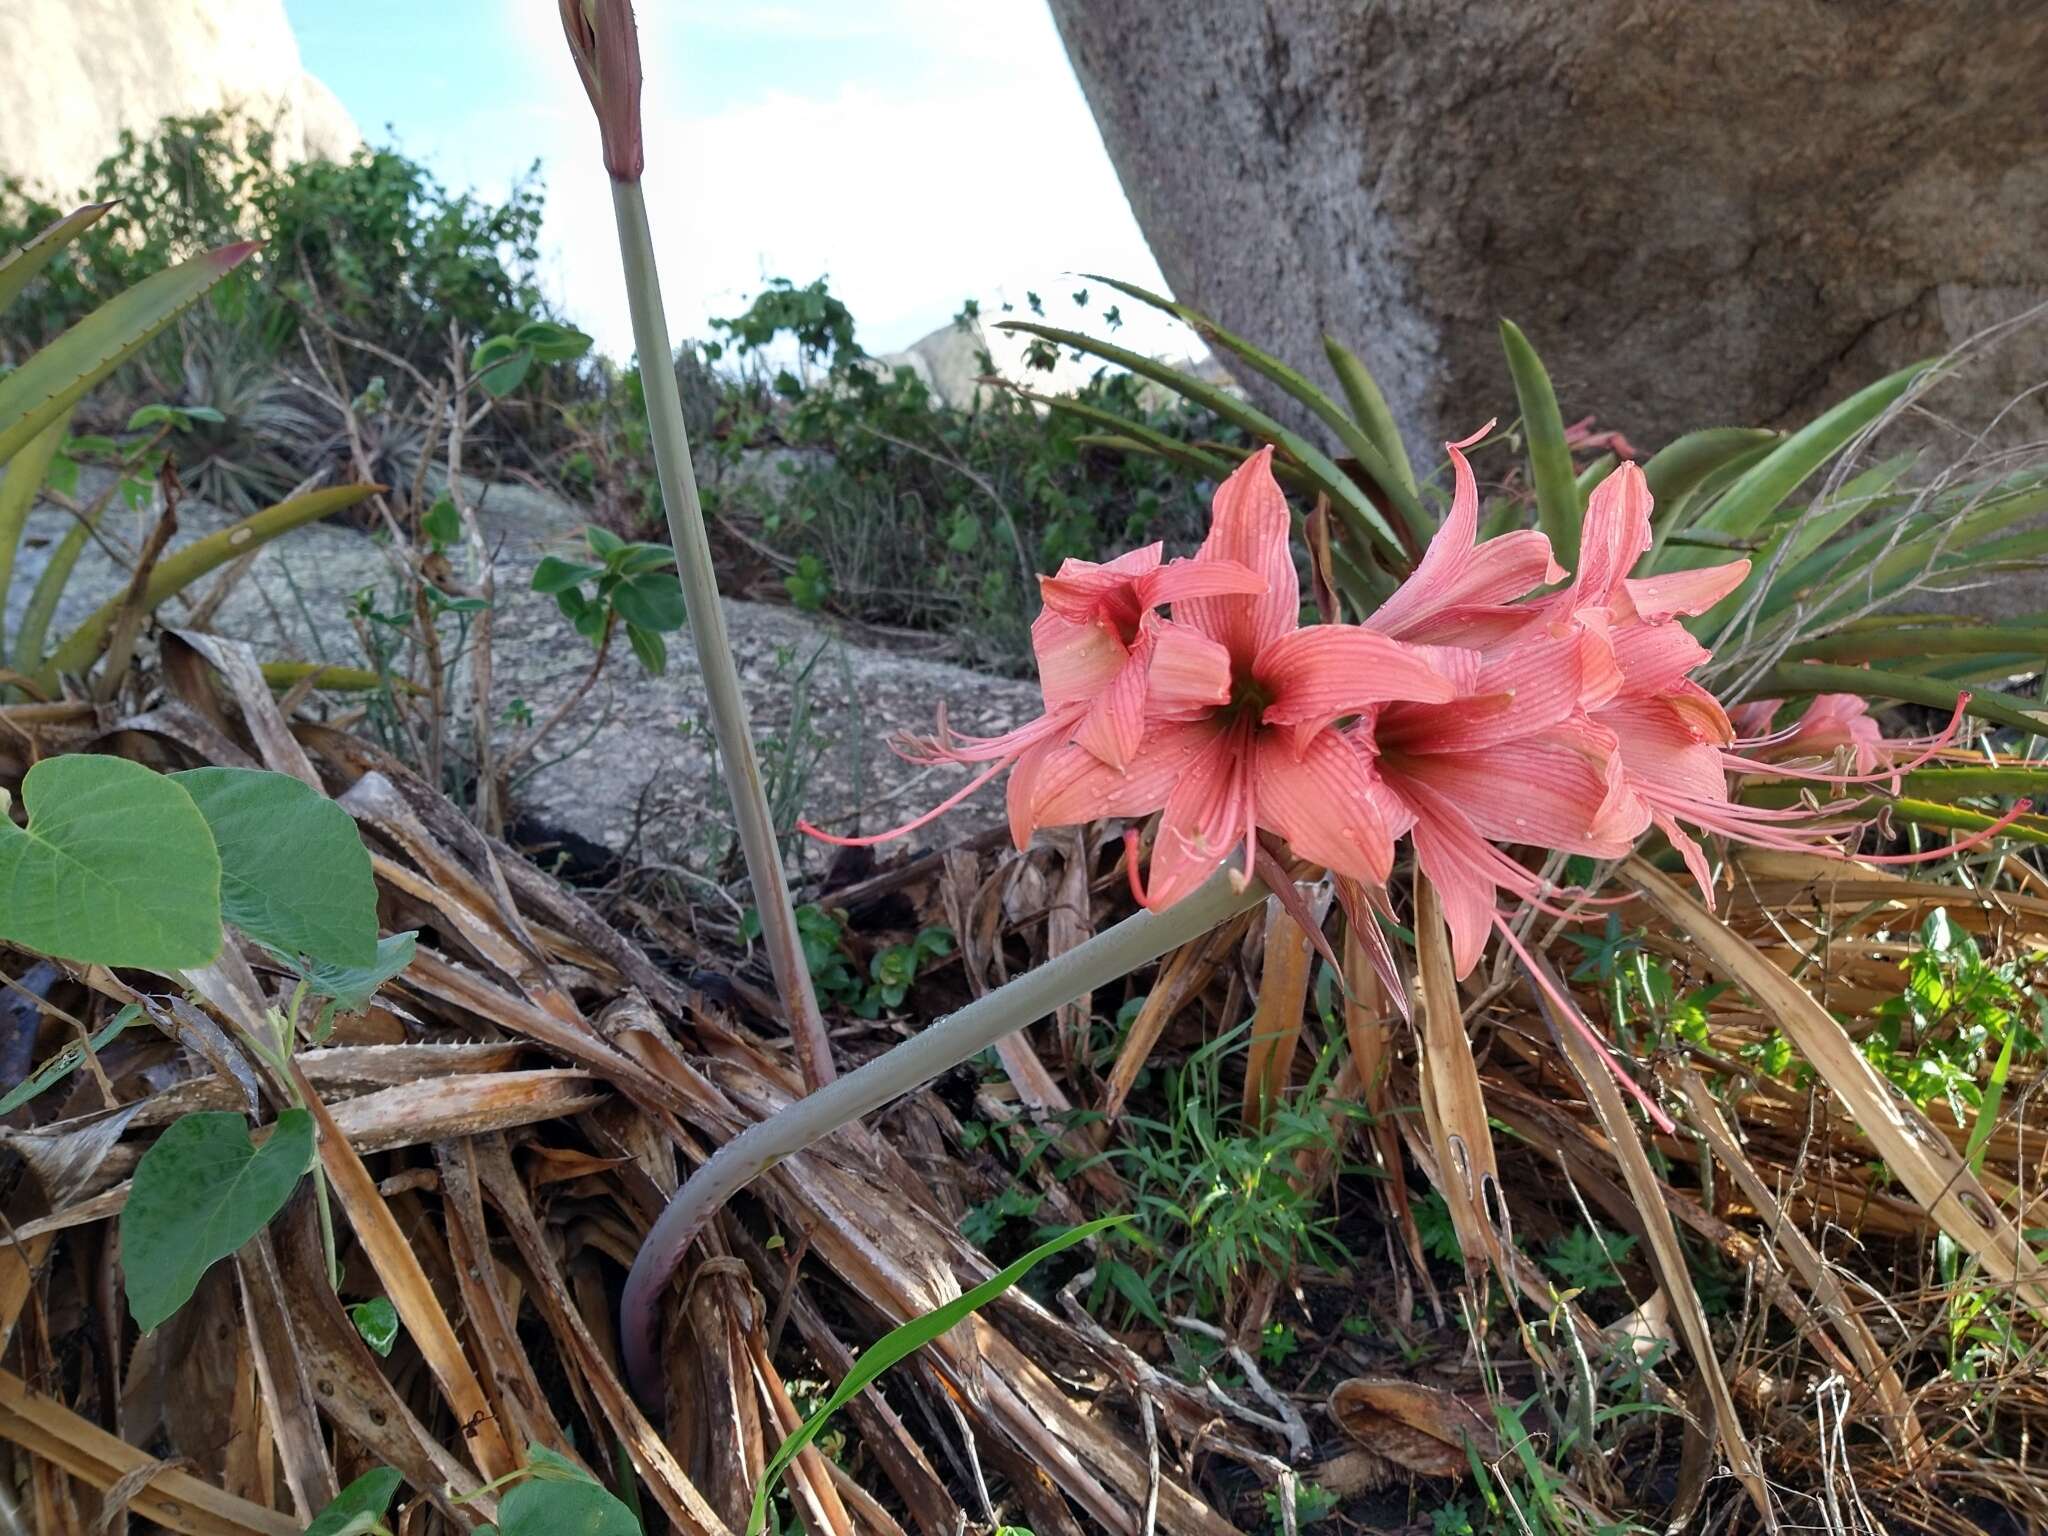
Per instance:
(983,179)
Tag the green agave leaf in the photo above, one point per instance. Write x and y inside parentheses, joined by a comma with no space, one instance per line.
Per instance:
(20,266)
(1352,504)
(1760,492)
(116,867)
(65,1062)
(1202,460)
(294,872)
(1191,459)
(55,378)
(1558,508)
(907,1340)
(1803,677)
(1955,818)
(1912,641)
(201,1191)
(360,1507)
(1356,440)
(1945,786)
(1369,410)
(20,483)
(179,569)
(1929,537)
(1676,470)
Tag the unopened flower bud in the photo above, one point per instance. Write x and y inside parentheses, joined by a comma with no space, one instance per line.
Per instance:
(607,52)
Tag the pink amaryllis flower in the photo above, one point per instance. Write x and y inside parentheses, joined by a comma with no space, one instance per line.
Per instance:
(1244,713)
(1511,760)
(1094,641)
(1832,723)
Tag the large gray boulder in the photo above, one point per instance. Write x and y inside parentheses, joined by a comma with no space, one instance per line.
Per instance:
(1701,214)
(74,73)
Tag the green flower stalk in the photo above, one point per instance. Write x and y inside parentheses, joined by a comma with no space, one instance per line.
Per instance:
(607,53)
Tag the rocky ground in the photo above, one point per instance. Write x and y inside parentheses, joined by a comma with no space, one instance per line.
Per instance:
(635,770)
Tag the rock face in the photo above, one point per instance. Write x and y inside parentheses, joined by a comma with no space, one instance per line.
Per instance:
(635,771)
(74,73)
(1700,214)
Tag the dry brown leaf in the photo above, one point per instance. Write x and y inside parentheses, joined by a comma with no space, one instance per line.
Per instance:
(53,1433)
(405,1282)
(1667,1256)
(1276,1022)
(1918,1155)
(1420,1428)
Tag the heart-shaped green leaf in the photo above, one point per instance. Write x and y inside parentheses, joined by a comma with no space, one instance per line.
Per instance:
(359,1508)
(201,1191)
(559,1498)
(294,872)
(115,867)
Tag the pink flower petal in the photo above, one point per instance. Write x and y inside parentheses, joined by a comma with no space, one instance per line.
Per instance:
(1317,675)
(1074,785)
(1458,578)
(1115,722)
(1249,527)
(1614,535)
(1208,814)
(1517,692)
(1075,661)
(1179,580)
(1190,672)
(1323,802)
(1081,585)
(1687,592)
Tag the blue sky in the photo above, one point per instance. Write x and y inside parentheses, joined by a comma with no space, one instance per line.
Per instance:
(917,151)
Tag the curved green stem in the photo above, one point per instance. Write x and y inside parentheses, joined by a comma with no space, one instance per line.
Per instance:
(1135,941)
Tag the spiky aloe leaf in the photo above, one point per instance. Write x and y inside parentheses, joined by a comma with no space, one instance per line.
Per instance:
(1676,470)
(1588,479)
(1397,486)
(21,265)
(34,631)
(1752,500)
(1352,504)
(1558,508)
(180,569)
(1911,638)
(1369,409)
(1887,553)
(52,381)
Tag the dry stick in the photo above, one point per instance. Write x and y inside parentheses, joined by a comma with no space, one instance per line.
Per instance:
(1136,941)
(694,569)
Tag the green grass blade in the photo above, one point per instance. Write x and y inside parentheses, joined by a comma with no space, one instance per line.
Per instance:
(56,377)
(22,264)
(1558,508)
(907,1340)
(179,570)
(20,482)
(1800,677)
(1399,490)
(1361,517)
(1369,409)
(1987,1109)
